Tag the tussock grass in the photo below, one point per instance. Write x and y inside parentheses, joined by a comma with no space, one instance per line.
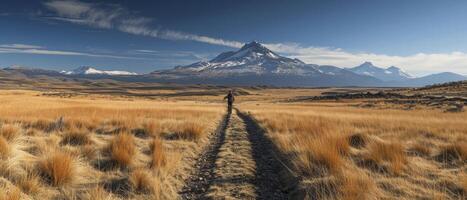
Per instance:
(158,155)
(453,152)
(122,149)
(190,131)
(152,128)
(4,148)
(10,131)
(76,138)
(64,153)
(421,149)
(391,152)
(356,186)
(98,193)
(58,168)
(141,181)
(13,193)
(30,184)
(328,143)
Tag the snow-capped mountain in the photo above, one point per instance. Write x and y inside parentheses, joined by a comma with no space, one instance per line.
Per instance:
(254,64)
(389,74)
(92,71)
(252,58)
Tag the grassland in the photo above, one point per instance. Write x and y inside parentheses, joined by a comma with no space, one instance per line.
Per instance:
(343,152)
(98,148)
(112,140)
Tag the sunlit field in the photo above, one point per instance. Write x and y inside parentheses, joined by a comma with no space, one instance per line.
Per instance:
(98,148)
(344,152)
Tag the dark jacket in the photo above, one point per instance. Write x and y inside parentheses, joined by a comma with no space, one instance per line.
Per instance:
(230,98)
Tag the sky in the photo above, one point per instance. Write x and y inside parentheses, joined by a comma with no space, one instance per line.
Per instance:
(419,36)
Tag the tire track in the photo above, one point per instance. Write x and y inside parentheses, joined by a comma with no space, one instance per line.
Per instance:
(240,163)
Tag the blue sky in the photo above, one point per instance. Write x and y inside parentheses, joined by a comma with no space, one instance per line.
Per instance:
(421,37)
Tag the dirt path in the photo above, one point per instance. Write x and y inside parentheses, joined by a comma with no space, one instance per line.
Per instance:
(238,164)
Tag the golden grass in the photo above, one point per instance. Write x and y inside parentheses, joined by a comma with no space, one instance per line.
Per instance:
(141,181)
(158,155)
(68,142)
(333,141)
(4,148)
(454,152)
(29,184)
(391,152)
(59,169)
(190,131)
(12,193)
(10,131)
(122,149)
(76,138)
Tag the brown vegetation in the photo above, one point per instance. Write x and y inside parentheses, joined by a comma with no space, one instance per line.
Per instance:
(59,168)
(345,152)
(122,149)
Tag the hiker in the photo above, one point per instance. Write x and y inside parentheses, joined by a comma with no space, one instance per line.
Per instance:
(230,99)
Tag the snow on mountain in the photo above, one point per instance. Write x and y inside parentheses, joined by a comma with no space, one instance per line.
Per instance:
(252,58)
(254,64)
(389,74)
(85,70)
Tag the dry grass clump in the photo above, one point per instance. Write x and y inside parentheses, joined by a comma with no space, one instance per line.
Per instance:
(356,186)
(190,131)
(322,154)
(98,193)
(43,124)
(141,181)
(358,140)
(76,138)
(421,149)
(29,184)
(13,193)
(158,156)
(4,148)
(152,128)
(122,149)
(453,152)
(391,152)
(59,168)
(10,131)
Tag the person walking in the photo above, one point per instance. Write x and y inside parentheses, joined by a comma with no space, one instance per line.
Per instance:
(230,99)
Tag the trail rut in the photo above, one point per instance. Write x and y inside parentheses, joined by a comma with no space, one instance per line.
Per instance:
(239,163)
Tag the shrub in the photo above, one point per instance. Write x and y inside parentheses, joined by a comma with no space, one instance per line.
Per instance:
(58,168)
(157,153)
(122,149)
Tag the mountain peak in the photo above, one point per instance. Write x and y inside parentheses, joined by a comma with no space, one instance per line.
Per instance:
(367,64)
(253,45)
(87,70)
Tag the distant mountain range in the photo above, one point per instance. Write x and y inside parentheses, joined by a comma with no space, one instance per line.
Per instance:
(254,64)
(93,71)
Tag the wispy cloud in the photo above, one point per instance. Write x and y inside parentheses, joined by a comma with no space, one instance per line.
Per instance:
(33,49)
(420,63)
(111,16)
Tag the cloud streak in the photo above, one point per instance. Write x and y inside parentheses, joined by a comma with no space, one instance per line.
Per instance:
(33,49)
(111,16)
